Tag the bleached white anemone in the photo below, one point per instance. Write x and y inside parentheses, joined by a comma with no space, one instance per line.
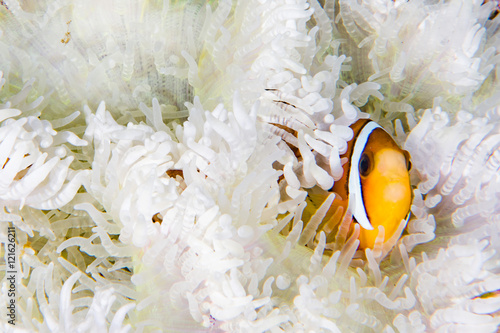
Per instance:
(163,205)
(421,50)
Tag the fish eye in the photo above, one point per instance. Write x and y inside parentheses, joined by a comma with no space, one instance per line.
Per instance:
(364,165)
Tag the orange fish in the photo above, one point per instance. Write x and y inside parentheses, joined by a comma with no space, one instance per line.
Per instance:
(375,185)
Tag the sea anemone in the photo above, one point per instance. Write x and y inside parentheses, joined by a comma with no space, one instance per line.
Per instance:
(181,197)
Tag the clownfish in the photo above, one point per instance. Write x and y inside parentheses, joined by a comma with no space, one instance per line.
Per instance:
(375,185)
